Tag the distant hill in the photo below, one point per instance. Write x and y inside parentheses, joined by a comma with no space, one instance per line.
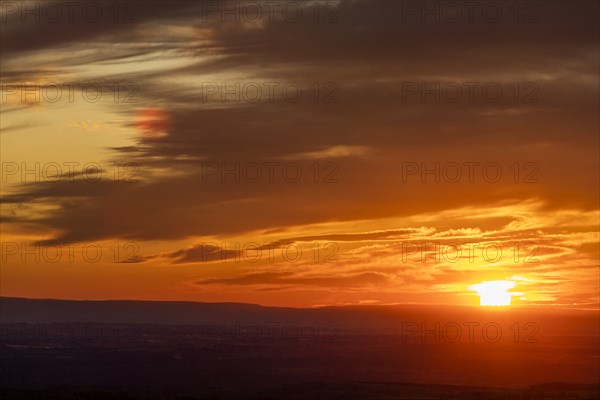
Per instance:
(555,321)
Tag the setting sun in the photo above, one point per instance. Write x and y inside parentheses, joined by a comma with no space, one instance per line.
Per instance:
(494,293)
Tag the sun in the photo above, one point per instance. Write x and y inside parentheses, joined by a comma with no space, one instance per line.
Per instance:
(494,293)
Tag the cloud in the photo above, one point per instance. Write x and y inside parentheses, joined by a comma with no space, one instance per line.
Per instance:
(203,253)
(366,110)
(282,280)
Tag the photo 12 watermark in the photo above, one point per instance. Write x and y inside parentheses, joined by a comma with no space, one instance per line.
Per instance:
(469,172)
(71,253)
(473,92)
(236,92)
(68,92)
(270,172)
(321,252)
(471,252)
(69,171)
(469,12)
(70,12)
(420,332)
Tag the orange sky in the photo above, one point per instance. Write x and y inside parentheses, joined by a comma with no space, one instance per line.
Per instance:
(301,163)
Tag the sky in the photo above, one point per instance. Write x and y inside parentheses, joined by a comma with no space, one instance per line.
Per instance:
(300,153)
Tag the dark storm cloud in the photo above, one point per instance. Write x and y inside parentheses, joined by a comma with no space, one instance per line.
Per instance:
(369,53)
(42,25)
(184,207)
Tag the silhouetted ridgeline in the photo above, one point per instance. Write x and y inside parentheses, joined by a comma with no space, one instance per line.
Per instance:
(58,349)
(552,322)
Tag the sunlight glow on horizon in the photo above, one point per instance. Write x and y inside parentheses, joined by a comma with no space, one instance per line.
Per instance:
(494,293)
